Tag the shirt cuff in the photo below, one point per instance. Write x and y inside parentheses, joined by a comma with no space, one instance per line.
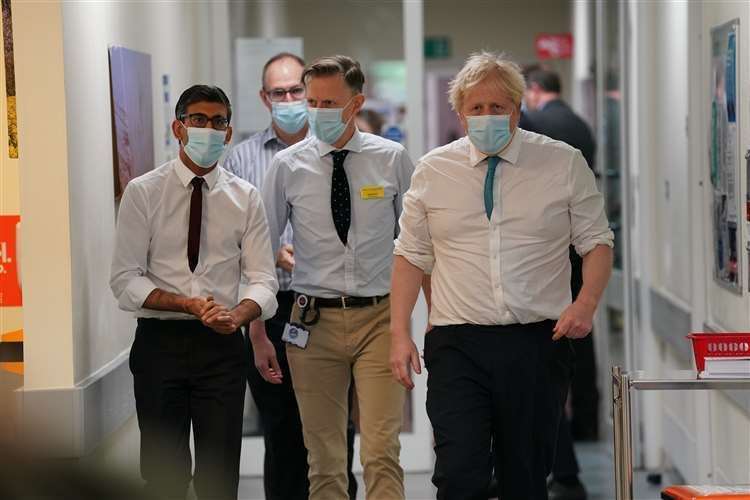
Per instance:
(591,243)
(136,293)
(262,296)
(424,262)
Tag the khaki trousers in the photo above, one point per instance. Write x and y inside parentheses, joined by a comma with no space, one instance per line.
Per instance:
(345,343)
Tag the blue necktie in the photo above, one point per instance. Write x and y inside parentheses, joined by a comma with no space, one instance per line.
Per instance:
(489,181)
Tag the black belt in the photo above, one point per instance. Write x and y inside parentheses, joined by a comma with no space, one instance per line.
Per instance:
(338,302)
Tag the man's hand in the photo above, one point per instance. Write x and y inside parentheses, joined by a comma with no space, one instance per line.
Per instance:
(576,320)
(404,359)
(285,258)
(265,354)
(194,306)
(218,317)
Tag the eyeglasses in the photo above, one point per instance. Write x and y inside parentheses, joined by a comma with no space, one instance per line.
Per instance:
(200,120)
(279,94)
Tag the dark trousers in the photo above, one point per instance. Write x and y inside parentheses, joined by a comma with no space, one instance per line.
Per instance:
(492,392)
(185,373)
(285,466)
(585,400)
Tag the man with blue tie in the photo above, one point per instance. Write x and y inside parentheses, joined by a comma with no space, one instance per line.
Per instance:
(490,217)
(342,191)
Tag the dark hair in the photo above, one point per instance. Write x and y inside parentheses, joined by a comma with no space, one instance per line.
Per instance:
(548,80)
(201,93)
(337,65)
(278,57)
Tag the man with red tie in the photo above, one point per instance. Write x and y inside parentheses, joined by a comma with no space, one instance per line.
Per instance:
(193,261)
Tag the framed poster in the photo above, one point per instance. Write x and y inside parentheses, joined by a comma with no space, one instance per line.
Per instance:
(132,115)
(724,157)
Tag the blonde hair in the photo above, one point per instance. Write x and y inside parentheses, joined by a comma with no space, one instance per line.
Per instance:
(482,65)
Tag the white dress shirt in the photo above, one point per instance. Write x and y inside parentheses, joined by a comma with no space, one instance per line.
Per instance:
(250,160)
(298,189)
(514,268)
(235,260)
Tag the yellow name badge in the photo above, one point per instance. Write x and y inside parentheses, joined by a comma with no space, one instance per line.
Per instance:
(372,192)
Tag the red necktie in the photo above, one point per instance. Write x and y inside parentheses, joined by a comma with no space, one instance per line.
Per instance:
(194,231)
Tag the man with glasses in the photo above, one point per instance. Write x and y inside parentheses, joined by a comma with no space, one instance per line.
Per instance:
(285,462)
(341,190)
(193,261)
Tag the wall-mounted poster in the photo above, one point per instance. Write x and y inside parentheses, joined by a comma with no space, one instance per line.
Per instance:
(10,80)
(132,115)
(724,158)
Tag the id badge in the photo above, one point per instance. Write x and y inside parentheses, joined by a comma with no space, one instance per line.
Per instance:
(295,334)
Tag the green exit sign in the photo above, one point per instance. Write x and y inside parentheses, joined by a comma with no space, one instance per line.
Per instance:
(437,47)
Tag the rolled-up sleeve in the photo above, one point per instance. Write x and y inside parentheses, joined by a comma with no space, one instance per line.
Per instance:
(588,222)
(414,242)
(128,280)
(258,282)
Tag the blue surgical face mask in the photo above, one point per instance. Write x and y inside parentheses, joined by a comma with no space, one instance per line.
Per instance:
(326,123)
(290,117)
(489,133)
(205,145)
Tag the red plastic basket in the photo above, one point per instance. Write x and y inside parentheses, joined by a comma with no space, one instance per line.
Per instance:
(719,345)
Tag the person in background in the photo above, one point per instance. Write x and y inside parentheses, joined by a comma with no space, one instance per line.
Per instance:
(491,217)
(549,115)
(193,261)
(285,466)
(370,121)
(342,191)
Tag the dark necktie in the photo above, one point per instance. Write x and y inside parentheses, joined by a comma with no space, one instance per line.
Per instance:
(489,183)
(341,203)
(196,214)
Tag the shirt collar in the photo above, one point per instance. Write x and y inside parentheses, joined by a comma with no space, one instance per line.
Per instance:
(509,154)
(186,175)
(354,144)
(270,134)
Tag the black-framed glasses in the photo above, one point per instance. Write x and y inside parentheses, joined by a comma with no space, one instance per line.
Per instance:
(200,120)
(278,94)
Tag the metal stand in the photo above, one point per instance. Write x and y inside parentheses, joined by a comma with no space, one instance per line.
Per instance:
(622,383)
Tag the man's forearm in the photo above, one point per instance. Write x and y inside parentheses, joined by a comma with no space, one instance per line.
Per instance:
(246,312)
(405,283)
(597,268)
(161,300)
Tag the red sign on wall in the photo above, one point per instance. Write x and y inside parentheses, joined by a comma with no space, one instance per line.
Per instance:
(10,286)
(549,46)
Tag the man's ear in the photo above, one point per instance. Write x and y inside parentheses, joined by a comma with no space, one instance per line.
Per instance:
(229,136)
(359,101)
(179,131)
(264,100)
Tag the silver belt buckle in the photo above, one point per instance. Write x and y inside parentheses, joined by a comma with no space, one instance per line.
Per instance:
(343,303)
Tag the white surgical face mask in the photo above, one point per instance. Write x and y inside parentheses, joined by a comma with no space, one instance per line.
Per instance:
(205,145)
(489,133)
(327,124)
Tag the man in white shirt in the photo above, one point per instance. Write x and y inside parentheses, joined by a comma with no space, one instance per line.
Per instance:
(490,218)
(193,261)
(342,191)
(285,458)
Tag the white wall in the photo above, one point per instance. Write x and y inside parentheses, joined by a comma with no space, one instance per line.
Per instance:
(181,39)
